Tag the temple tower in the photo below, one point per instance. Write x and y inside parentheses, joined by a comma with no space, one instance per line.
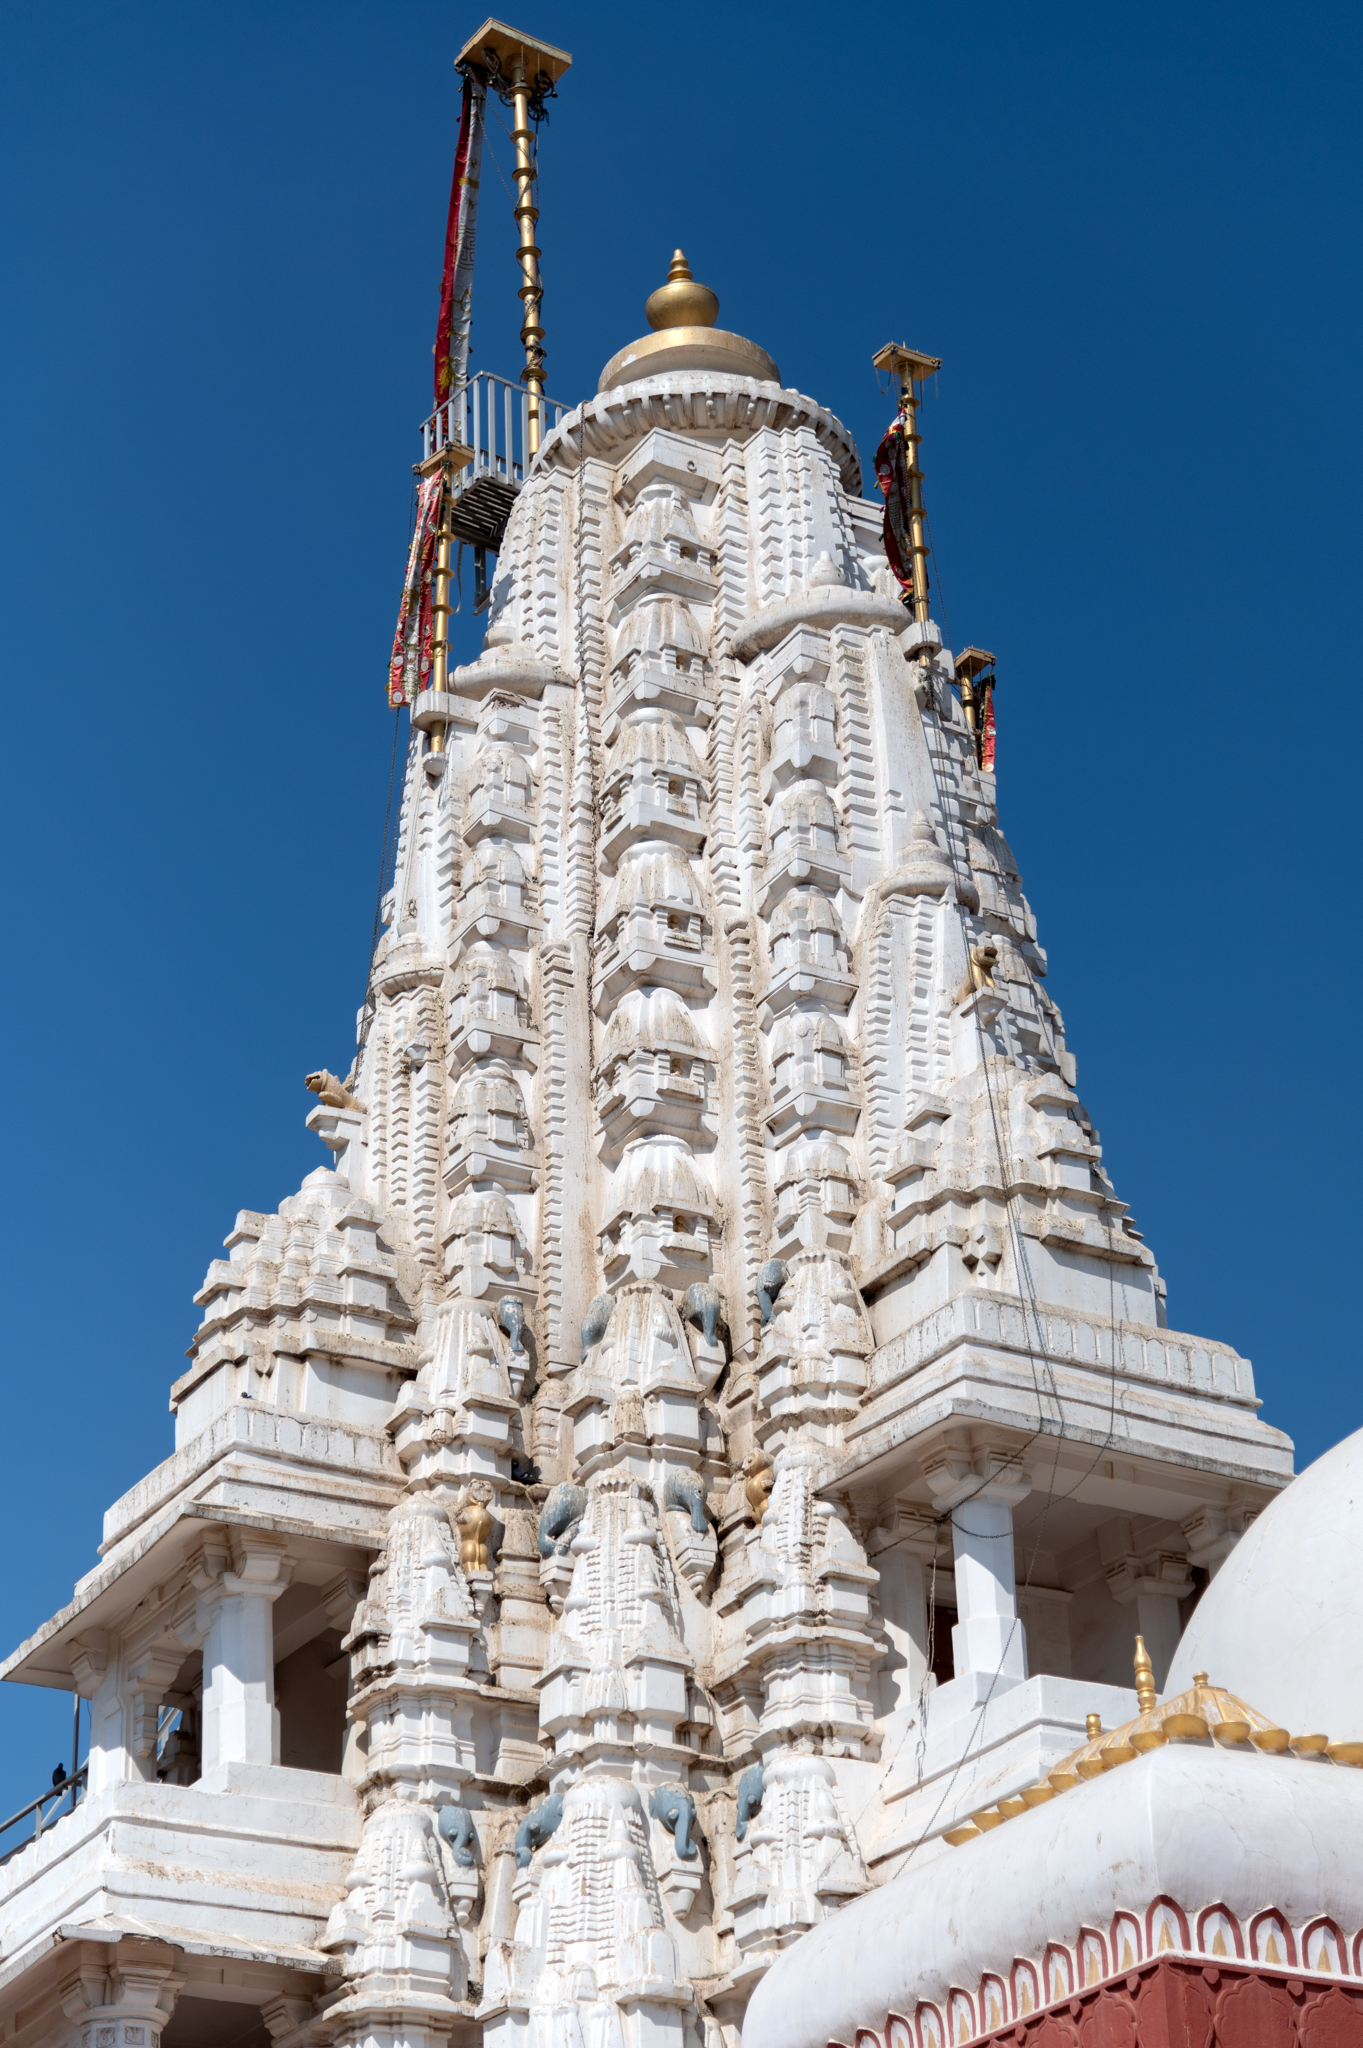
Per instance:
(711,1422)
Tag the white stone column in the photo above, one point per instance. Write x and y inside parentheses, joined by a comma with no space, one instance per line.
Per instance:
(901,1549)
(988,1637)
(981,1486)
(1159,1623)
(1153,1579)
(240,1719)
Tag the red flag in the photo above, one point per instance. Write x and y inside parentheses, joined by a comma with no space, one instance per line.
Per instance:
(409,666)
(987,736)
(452,328)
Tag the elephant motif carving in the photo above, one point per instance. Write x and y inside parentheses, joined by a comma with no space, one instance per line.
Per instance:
(676,1810)
(560,1516)
(685,1492)
(749,1797)
(535,1830)
(703,1306)
(595,1321)
(770,1281)
(456,1825)
(511,1319)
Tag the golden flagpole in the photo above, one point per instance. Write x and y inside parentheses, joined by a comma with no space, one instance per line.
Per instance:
(523,72)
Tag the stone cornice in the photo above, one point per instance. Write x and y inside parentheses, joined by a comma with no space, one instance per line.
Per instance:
(819,609)
(694,401)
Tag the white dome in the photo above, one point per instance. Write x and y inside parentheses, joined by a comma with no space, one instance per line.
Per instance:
(1282,1622)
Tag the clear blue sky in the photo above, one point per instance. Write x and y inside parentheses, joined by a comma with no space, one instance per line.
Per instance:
(1133,234)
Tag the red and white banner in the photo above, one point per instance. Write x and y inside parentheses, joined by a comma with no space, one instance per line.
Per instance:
(409,666)
(456,283)
(892,474)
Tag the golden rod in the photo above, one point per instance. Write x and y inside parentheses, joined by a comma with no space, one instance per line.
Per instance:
(918,546)
(974,680)
(440,610)
(912,367)
(531,292)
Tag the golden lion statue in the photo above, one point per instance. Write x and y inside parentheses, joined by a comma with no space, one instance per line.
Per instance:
(328,1089)
(980,973)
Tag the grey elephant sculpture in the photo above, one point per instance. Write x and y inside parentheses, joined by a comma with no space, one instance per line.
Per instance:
(456,1825)
(703,1306)
(685,1491)
(749,1797)
(770,1281)
(595,1321)
(559,1517)
(511,1319)
(677,1812)
(535,1830)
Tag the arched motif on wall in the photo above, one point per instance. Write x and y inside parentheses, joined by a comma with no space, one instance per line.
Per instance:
(1323,1948)
(1166,1928)
(1058,1973)
(1128,1945)
(961,2017)
(931,2031)
(1219,1933)
(1093,1954)
(993,2003)
(1026,1989)
(1271,1939)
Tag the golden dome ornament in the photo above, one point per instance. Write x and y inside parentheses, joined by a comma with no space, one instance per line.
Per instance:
(685,339)
(681,302)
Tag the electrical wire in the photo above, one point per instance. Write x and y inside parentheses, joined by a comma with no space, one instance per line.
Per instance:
(919,1722)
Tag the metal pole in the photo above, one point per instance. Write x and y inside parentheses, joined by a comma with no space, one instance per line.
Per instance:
(918,545)
(531,292)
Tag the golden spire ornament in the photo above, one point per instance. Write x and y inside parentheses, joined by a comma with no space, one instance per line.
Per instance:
(681,302)
(1145,1677)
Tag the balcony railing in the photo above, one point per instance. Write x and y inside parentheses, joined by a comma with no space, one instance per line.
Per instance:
(52,1797)
(491,416)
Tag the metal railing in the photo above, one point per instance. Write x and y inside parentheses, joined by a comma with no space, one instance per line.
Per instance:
(492,416)
(72,1784)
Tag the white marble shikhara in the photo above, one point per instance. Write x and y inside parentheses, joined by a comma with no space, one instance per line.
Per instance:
(706,1307)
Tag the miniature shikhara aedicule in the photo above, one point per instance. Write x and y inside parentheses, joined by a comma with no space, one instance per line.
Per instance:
(711,1427)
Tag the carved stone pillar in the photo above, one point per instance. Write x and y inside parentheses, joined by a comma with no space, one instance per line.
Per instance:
(149,1678)
(119,1995)
(1154,1577)
(240,1719)
(901,1549)
(981,1487)
(989,1637)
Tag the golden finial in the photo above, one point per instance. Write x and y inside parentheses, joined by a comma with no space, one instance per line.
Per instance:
(681,302)
(1093,1725)
(1145,1677)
